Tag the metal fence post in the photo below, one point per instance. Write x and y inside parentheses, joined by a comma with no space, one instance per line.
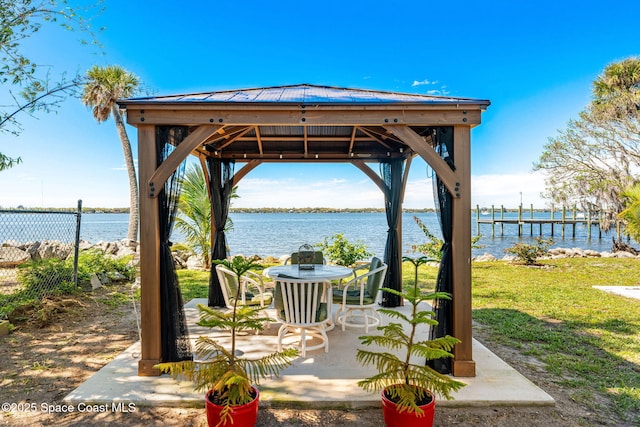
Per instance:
(77,244)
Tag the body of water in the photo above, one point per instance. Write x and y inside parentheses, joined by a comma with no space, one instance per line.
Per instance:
(278,234)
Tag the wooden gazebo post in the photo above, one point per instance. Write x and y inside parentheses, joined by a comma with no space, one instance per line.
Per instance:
(463,364)
(151,340)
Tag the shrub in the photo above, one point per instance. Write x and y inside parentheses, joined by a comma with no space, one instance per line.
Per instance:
(433,248)
(96,261)
(529,253)
(342,252)
(46,276)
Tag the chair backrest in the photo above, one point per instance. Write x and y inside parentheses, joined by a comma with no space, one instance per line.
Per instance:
(374,281)
(228,284)
(318,258)
(299,301)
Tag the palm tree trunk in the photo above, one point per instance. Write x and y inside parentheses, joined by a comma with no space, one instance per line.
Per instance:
(134,215)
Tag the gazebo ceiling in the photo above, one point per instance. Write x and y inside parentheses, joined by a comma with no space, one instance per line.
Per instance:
(305,122)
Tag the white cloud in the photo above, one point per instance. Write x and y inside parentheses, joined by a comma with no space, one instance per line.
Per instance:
(486,190)
(290,192)
(423,82)
(438,92)
(508,190)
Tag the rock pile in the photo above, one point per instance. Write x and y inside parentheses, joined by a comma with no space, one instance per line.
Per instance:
(557,253)
(14,253)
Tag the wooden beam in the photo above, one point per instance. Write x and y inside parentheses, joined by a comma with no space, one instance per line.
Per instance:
(360,164)
(165,170)
(330,116)
(306,141)
(352,140)
(259,139)
(231,139)
(417,144)
(251,165)
(151,339)
(405,178)
(375,137)
(463,364)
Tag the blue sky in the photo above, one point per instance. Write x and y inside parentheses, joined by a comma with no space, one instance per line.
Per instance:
(535,62)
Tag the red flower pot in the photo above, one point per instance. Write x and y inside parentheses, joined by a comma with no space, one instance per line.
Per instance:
(243,415)
(394,418)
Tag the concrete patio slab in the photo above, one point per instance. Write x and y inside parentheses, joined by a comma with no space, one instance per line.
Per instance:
(321,380)
(625,291)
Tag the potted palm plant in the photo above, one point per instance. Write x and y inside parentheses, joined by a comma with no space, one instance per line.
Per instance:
(230,379)
(408,388)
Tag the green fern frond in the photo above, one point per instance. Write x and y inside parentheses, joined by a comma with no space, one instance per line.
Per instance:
(388,342)
(383,362)
(381,381)
(393,314)
(267,366)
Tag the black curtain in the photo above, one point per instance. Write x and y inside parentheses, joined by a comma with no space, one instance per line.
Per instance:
(221,185)
(444,283)
(175,336)
(391,172)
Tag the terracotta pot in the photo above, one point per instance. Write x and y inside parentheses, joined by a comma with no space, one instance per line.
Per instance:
(243,415)
(394,418)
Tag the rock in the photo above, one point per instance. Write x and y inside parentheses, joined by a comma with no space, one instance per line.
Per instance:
(84,245)
(117,276)
(578,252)
(32,248)
(10,244)
(4,328)
(194,262)
(623,254)
(485,257)
(11,256)
(96,283)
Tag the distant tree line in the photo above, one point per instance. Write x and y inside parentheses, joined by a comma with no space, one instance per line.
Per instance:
(320,210)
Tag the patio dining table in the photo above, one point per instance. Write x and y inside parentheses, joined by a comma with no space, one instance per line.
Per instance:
(319,272)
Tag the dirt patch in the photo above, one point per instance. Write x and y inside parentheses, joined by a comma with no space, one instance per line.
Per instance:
(59,345)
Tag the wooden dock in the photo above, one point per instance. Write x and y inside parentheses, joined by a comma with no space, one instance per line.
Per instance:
(564,220)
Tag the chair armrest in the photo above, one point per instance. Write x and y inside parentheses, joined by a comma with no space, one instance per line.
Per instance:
(355,283)
(357,268)
(256,281)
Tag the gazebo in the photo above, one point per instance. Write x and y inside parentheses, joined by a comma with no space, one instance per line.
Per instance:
(301,123)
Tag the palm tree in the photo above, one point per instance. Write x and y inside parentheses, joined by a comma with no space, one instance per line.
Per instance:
(616,91)
(104,86)
(631,214)
(194,213)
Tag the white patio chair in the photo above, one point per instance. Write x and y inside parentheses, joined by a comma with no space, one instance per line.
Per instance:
(252,291)
(358,297)
(301,306)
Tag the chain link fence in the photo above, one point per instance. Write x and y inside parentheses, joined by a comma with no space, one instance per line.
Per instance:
(38,254)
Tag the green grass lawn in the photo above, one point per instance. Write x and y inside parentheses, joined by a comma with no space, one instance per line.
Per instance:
(588,338)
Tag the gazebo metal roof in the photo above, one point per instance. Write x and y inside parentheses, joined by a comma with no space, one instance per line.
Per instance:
(306,95)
